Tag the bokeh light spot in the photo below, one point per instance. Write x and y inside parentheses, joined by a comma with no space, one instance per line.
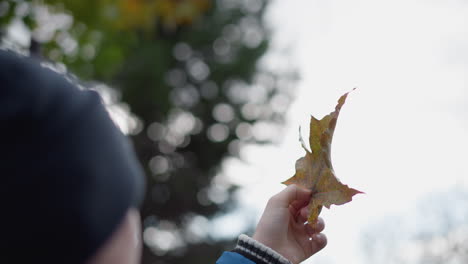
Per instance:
(186,96)
(223,113)
(202,197)
(251,111)
(221,47)
(88,52)
(218,132)
(252,6)
(182,51)
(159,165)
(198,69)
(181,122)
(231,33)
(234,147)
(244,131)
(236,90)
(162,238)
(156,131)
(280,103)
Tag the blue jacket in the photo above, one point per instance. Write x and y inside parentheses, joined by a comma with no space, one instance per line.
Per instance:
(233,258)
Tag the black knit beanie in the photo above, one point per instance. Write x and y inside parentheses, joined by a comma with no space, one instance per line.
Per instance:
(67,174)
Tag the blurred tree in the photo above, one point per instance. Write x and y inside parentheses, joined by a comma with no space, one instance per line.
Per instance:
(435,233)
(190,71)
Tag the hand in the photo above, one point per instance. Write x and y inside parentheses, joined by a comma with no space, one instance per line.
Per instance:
(283,226)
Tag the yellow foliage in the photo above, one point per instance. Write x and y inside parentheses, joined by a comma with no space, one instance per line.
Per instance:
(171,14)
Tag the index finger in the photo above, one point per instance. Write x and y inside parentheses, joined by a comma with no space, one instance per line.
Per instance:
(292,194)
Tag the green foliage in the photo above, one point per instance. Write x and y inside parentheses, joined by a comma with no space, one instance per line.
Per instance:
(194,82)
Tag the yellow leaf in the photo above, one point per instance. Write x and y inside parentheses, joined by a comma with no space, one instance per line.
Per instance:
(314,171)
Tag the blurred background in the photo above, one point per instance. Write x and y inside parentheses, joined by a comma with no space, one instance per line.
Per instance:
(212,93)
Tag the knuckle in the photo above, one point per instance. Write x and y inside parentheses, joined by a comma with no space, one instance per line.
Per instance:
(292,187)
(274,200)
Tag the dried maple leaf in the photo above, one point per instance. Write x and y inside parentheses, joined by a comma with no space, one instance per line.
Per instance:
(314,171)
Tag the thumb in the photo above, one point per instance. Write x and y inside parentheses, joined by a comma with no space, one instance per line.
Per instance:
(291,194)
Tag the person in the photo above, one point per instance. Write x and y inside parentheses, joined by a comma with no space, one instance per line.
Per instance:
(72,184)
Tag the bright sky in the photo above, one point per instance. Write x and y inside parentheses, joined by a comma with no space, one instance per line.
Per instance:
(400,136)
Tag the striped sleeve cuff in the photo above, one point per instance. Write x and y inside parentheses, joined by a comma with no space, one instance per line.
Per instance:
(257,252)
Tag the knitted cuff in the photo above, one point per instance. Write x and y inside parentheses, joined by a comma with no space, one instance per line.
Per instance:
(257,252)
